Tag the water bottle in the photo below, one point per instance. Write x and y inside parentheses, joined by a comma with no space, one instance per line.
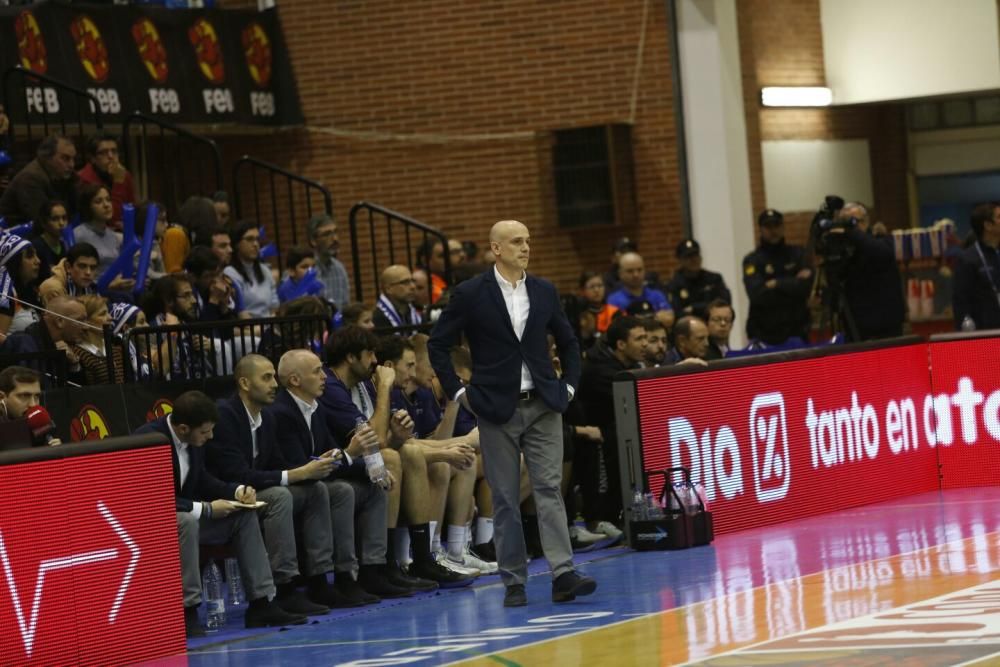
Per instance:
(968,324)
(235,582)
(638,506)
(699,492)
(653,509)
(374,464)
(214,602)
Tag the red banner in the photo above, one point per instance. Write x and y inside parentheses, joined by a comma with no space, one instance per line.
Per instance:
(787,440)
(89,560)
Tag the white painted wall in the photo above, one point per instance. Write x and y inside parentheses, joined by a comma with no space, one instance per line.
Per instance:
(799,174)
(878,50)
(958,151)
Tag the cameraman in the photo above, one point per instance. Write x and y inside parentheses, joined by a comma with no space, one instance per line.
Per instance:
(872,286)
(976,286)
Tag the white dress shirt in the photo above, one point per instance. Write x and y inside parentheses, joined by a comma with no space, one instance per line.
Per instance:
(308,410)
(255,423)
(515,297)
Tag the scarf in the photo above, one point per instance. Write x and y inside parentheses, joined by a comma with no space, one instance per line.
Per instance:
(384,304)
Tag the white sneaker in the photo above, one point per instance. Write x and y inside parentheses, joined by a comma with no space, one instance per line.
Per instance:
(473,561)
(444,560)
(609,529)
(584,536)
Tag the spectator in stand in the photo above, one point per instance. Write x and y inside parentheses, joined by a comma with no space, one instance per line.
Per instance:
(299,281)
(322,231)
(49,176)
(94,228)
(976,288)
(251,276)
(612,281)
(46,236)
(472,252)
(394,307)
(20,389)
(58,329)
(215,297)
(157,269)
(778,279)
(634,288)
(171,300)
(220,201)
(593,293)
(206,515)
(73,276)
(124,318)
(280,338)
(217,239)
(430,257)
(691,342)
(103,168)
(91,350)
(692,287)
(622,348)
(19,266)
(358,314)
(422,298)
(720,324)
(195,214)
(181,355)
(246,449)
(656,342)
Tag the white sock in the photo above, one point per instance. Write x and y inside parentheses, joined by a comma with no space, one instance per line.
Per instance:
(435,537)
(456,541)
(402,537)
(484,529)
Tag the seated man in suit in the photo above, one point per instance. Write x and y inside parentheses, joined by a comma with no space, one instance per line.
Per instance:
(303,436)
(245,450)
(206,515)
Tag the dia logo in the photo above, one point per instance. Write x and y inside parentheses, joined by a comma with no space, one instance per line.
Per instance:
(772,471)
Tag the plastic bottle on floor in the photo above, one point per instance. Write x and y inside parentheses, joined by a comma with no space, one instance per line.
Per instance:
(215,604)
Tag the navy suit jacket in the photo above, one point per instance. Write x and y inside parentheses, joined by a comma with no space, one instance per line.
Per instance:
(298,438)
(477,309)
(200,484)
(229,454)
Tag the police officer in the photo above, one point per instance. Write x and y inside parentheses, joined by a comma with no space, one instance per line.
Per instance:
(778,280)
(692,288)
(976,287)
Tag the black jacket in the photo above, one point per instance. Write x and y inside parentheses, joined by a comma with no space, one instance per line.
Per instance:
(300,441)
(691,295)
(200,485)
(973,294)
(873,288)
(780,312)
(229,454)
(596,394)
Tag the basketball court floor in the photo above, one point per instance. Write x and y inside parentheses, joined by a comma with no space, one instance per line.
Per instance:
(910,582)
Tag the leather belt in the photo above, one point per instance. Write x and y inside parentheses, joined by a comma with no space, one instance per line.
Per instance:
(527,395)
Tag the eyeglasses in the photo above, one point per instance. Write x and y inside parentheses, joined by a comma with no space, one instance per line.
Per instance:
(407,281)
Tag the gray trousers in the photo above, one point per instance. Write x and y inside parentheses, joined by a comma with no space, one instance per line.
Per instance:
(366,501)
(240,529)
(310,501)
(536,431)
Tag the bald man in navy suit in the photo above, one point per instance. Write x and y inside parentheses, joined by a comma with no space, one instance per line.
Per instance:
(506,316)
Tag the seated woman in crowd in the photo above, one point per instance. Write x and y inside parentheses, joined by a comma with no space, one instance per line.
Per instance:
(46,236)
(593,293)
(96,213)
(19,265)
(253,278)
(90,350)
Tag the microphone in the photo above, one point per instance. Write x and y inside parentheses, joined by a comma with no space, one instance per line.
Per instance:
(41,425)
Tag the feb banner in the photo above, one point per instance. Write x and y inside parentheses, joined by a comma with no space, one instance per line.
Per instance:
(186,66)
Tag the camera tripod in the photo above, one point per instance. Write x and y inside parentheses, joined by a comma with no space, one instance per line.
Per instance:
(836,311)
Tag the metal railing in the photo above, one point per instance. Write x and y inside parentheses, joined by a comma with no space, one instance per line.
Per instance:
(32,101)
(175,163)
(403,236)
(203,350)
(280,190)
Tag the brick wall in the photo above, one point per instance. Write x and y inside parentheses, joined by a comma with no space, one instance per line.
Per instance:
(515,71)
(781,44)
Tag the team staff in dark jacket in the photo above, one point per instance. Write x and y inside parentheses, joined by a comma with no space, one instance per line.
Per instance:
(206,515)
(778,279)
(872,285)
(352,494)
(692,288)
(976,285)
(245,450)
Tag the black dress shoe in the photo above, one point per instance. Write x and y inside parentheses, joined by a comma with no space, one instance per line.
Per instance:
(192,626)
(351,591)
(570,584)
(486,551)
(373,579)
(397,577)
(515,596)
(264,613)
(295,602)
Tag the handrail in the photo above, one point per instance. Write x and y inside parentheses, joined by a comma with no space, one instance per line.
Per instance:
(389,243)
(273,171)
(178,178)
(15,107)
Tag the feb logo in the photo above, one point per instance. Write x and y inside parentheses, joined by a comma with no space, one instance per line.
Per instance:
(89,424)
(30,45)
(151,50)
(90,48)
(161,408)
(205,41)
(257,50)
